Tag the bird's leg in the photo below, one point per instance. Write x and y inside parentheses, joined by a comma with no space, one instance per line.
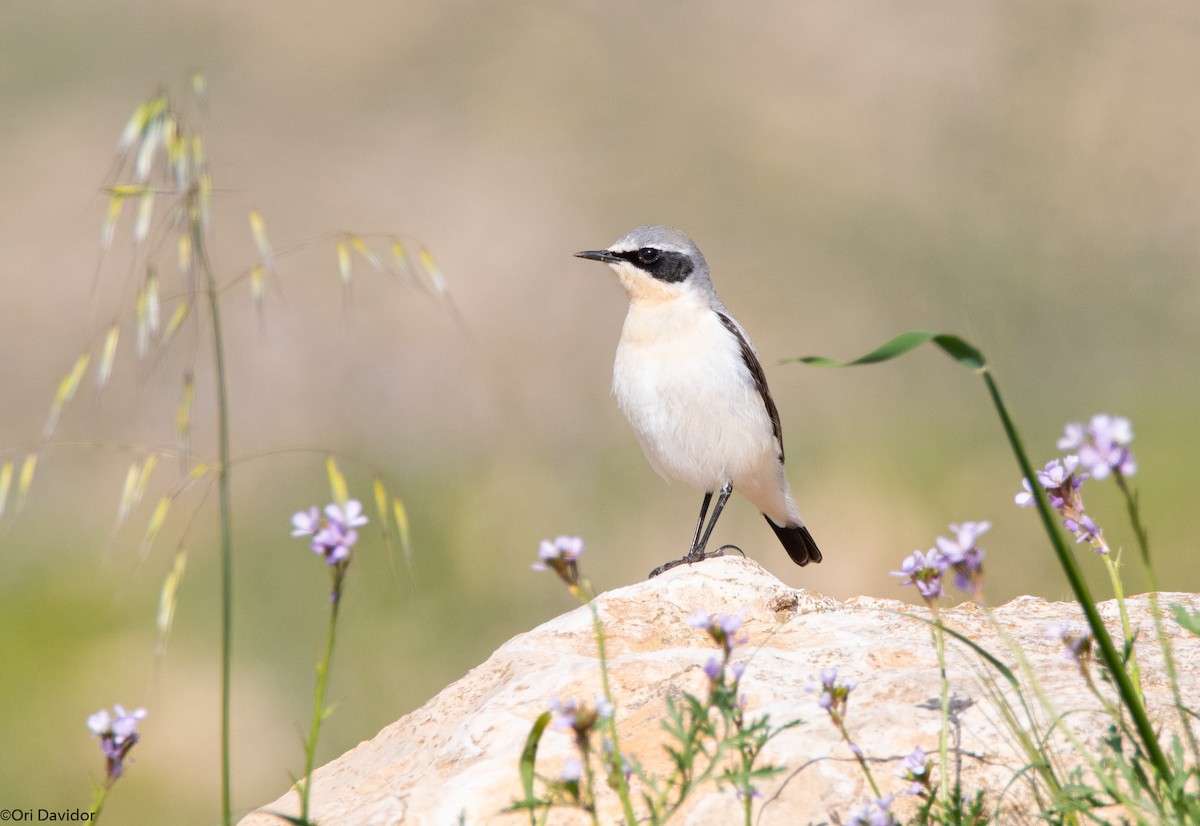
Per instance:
(700,521)
(696,553)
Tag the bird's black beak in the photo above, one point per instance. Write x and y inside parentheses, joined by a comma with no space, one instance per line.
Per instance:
(598,255)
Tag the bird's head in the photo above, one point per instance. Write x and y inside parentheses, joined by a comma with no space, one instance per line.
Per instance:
(656,263)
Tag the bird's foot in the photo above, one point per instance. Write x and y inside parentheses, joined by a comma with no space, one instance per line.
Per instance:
(693,556)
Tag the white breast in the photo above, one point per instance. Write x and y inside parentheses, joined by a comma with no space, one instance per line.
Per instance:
(681,380)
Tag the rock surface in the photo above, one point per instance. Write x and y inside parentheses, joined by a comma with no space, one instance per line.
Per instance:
(457,756)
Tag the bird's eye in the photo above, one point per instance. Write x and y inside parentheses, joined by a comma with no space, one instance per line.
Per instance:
(647,255)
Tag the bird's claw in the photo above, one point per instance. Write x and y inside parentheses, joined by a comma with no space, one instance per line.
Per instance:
(693,556)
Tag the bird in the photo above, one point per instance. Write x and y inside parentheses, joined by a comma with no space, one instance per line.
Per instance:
(691,385)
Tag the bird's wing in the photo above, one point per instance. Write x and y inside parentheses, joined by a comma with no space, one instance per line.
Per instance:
(756,371)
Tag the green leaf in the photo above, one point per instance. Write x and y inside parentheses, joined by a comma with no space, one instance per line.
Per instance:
(529,758)
(294,820)
(1187,619)
(953,346)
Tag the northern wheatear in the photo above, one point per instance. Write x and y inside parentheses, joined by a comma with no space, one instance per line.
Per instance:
(689,381)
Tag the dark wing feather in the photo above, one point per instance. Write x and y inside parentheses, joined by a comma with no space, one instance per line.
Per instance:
(760,378)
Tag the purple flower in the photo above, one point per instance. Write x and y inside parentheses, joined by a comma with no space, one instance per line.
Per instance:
(828,682)
(965,556)
(334,542)
(566,548)
(915,770)
(563,714)
(1073,438)
(305,523)
(1024,498)
(968,572)
(1103,445)
(1062,482)
(118,734)
(730,623)
(100,723)
(966,536)
(834,695)
(925,571)
(572,771)
(714,669)
(124,724)
(1077,648)
(1058,472)
(874,813)
(348,516)
(562,557)
(1086,530)
(334,535)
(579,718)
(727,624)
(723,628)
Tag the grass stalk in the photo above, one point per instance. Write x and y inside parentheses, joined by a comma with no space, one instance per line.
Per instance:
(939,641)
(1130,698)
(224,505)
(1151,578)
(319,713)
(617,774)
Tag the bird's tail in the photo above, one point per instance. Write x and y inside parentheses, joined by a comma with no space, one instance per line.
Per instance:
(797,541)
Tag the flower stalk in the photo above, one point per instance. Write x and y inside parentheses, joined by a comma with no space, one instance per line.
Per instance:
(225,506)
(333,537)
(118,734)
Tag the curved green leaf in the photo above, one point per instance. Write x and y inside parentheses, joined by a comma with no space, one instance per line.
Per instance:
(529,758)
(953,346)
(1186,618)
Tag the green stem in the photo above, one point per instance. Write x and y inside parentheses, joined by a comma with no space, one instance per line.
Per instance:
(1108,652)
(588,791)
(747,792)
(617,772)
(686,784)
(939,639)
(1164,642)
(1114,576)
(310,747)
(858,755)
(1135,519)
(225,512)
(99,798)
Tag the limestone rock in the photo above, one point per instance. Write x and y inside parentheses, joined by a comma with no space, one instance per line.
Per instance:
(457,756)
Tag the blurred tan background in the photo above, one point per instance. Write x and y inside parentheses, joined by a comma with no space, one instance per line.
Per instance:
(1024,174)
